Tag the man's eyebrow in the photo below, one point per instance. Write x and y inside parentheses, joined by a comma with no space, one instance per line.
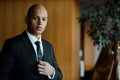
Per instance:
(44,17)
(37,16)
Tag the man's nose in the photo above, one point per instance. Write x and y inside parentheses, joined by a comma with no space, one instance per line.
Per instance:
(39,22)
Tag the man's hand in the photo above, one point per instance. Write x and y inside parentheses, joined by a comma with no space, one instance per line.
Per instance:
(45,68)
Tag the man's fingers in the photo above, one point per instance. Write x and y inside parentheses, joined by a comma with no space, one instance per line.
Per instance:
(40,70)
(42,63)
(41,66)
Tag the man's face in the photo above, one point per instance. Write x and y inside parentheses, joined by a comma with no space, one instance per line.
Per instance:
(36,23)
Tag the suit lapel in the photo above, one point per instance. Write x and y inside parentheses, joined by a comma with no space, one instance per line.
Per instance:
(46,52)
(29,46)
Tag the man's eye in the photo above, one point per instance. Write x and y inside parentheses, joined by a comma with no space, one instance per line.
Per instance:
(44,19)
(35,18)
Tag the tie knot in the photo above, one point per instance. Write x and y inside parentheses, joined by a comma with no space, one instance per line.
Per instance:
(37,43)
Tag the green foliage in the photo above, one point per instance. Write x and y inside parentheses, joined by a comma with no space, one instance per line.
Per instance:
(104,22)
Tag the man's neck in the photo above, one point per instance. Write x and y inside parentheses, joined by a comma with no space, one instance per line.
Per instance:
(36,36)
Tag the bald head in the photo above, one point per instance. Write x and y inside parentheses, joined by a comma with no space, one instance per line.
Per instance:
(34,8)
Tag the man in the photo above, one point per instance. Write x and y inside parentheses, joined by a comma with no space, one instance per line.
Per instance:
(19,59)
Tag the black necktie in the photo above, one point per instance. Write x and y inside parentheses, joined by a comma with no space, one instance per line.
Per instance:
(39,53)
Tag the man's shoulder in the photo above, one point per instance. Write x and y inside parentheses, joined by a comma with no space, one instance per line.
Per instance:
(16,37)
(46,42)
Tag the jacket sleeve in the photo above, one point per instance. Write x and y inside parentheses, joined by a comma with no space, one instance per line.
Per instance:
(58,73)
(6,60)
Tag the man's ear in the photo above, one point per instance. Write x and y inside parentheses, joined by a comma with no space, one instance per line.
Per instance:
(26,19)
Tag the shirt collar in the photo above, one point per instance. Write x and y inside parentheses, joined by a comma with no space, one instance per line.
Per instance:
(32,38)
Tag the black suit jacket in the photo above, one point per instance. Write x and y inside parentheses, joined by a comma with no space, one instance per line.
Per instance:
(18,60)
